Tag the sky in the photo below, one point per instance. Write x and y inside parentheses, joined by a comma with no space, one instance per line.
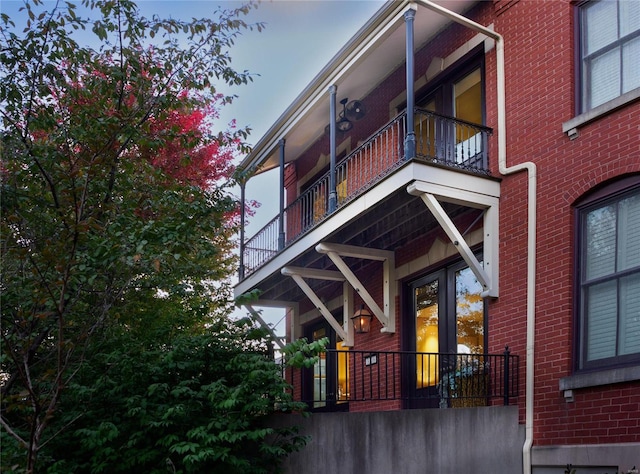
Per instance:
(299,38)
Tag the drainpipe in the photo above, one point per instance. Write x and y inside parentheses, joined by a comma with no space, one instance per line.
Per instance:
(530,168)
(333,195)
(281,220)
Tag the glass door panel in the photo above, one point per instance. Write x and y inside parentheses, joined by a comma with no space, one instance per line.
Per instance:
(342,394)
(326,384)
(469,313)
(445,323)
(320,373)
(467,103)
(427,340)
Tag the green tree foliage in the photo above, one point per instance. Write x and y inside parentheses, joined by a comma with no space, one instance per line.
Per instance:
(117,225)
(197,404)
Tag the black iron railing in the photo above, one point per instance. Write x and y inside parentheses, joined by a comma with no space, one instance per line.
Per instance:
(439,139)
(451,142)
(446,380)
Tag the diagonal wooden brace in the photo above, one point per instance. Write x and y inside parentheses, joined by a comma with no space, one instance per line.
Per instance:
(299,274)
(335,252)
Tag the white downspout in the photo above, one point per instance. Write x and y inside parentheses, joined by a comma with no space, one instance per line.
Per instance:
(530,168)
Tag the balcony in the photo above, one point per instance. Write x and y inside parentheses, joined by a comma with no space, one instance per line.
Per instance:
(416,379)
(440,141)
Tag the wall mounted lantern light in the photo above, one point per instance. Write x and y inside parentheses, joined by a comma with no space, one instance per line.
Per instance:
(361,320)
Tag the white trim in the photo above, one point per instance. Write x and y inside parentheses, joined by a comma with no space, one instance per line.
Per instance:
(570,126)
(441,181)
(312,273)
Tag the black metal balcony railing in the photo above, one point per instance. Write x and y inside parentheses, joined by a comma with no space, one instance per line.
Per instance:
(449,380)
(451,142)
(439,139)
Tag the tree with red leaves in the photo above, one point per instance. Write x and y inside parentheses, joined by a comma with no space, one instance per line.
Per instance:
(205,164)
(117,216)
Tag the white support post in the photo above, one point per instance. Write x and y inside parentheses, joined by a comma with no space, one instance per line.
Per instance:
(389,289)
(348,310)
(491,249)
(295,327)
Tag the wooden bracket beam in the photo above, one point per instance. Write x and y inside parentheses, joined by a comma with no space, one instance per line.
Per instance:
(256,317)
(299,274)
(431,194)
(335,252)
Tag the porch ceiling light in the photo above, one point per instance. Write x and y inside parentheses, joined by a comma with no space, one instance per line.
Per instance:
(344,124)
(351,111)
(362,320)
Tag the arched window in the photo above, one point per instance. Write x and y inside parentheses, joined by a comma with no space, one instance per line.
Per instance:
(608,276)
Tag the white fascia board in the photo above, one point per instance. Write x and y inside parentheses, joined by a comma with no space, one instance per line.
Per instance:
(463,189)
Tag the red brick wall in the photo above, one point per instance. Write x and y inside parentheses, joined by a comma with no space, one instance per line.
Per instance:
(540,96)
(540,93)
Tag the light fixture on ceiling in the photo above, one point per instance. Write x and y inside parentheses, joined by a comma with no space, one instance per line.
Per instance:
(351,111)
(361,320)
(344,124)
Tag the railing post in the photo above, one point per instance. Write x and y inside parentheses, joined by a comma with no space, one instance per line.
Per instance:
(505,399)
(281,223)
(410,137)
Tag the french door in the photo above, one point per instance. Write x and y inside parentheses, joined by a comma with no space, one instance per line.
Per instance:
(446,318)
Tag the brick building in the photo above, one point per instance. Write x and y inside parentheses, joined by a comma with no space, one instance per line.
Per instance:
(465,177)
